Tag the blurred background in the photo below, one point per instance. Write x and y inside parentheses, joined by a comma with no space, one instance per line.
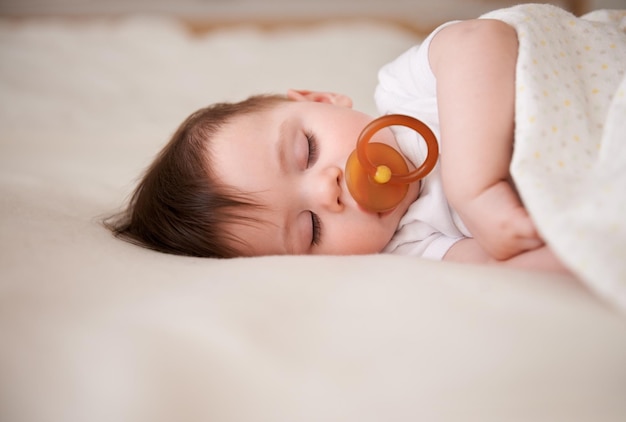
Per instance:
(417,13)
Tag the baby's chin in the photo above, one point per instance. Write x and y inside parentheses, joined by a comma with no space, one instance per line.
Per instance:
(393,216)
(410,198)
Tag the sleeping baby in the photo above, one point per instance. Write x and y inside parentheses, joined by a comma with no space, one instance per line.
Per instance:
(266,175)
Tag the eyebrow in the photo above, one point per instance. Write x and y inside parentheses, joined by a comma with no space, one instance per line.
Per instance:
(281,153)
(287,236)
(290,242)
(280,147)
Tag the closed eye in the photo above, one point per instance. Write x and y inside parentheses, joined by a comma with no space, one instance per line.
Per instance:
(316,229)
(313,149)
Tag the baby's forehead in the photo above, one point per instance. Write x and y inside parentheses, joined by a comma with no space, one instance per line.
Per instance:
(266,117)
(265,122)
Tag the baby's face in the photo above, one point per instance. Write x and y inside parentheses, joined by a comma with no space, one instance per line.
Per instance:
(291,160)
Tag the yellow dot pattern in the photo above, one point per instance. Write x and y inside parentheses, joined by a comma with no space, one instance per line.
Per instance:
(569,160)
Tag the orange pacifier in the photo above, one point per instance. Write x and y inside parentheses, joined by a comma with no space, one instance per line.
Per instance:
(377,176)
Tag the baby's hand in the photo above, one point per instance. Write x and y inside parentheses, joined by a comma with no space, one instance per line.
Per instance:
(499,222)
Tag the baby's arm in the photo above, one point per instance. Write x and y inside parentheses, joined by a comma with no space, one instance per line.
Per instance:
(474,64)
(541,259)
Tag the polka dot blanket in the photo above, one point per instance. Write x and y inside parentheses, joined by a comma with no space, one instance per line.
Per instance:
(569,159)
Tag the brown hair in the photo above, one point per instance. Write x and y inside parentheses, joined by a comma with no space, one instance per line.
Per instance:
(178,207)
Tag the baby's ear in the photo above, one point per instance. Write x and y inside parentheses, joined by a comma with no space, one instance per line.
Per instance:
(320,97)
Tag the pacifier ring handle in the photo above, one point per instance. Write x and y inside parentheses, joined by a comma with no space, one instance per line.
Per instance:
(397,120)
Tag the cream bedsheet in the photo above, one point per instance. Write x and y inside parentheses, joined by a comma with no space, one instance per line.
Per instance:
(94,329)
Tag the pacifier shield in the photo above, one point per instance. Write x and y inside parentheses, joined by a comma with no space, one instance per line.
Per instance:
(373,196)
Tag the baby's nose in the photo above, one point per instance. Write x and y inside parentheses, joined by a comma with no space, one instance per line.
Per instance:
(330,189)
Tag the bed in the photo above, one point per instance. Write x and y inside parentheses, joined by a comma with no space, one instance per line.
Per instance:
(95,329)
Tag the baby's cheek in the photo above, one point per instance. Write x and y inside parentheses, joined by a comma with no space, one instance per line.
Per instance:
(369,241)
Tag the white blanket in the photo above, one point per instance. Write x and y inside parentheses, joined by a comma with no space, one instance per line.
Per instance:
(569,160)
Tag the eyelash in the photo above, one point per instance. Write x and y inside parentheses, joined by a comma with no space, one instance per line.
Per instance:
(317,229)
(313,149)
(311,159)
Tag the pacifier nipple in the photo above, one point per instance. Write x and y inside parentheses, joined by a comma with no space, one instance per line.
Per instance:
(377,175)
(383,174)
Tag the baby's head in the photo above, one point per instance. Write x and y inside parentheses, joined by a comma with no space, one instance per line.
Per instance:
(264,176)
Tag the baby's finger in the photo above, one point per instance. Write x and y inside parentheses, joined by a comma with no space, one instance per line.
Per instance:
(530,243)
